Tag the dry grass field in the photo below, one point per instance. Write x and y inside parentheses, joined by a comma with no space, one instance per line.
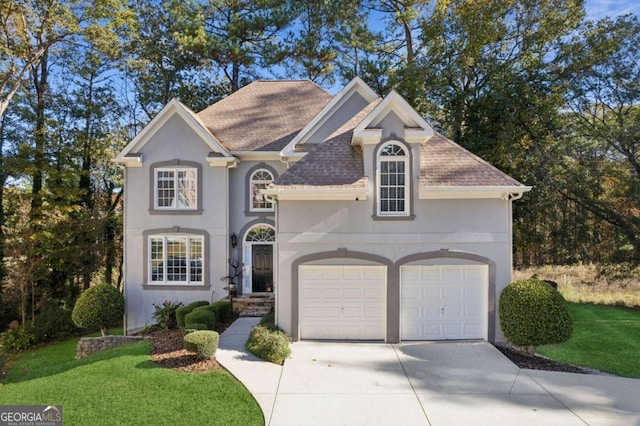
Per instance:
(602,284)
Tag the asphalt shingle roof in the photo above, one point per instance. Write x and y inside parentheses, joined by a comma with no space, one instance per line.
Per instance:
(264,115)
(334,163)
(445,163)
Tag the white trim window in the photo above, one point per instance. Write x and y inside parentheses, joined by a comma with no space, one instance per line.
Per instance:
(260,179)
(176,188)
(393,180)
(176,259)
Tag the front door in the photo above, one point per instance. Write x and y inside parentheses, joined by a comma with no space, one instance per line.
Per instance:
(262,268)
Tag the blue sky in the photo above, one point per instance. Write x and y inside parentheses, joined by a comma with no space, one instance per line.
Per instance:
(598,9)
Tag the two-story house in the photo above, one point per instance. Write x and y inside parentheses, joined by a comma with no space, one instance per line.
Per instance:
(364,222)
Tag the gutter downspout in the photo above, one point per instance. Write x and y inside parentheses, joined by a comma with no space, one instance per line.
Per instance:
(510,199)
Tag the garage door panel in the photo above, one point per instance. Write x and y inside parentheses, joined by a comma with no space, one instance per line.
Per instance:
(352,274)
(352,293)
(352,301)
(430,274)
(445,302)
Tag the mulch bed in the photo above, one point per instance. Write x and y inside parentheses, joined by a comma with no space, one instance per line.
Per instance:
(537,362)
(168,352)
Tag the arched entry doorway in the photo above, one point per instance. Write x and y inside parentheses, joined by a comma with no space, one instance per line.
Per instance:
(258,259)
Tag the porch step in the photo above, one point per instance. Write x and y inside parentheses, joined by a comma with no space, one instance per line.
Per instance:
(254,306)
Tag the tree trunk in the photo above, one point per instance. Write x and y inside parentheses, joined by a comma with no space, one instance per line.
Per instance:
(40,76)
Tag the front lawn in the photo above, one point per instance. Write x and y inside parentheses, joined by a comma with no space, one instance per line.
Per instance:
(123,386)
(606,338)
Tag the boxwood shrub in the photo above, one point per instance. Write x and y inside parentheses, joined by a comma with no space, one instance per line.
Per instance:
(200,316)
(223,308)
(182,311)
(99,307)
(270,345)
(533,313)
(203,343)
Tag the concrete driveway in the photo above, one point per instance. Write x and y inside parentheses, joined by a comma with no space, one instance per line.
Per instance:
(426,383)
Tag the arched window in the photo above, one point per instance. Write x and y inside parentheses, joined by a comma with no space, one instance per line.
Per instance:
(260,179)
(393,180)
(261,233)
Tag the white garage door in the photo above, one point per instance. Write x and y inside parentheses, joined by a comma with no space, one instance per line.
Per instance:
(444,302)
(342,302)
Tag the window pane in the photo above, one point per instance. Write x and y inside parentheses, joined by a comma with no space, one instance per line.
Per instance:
(187,188)
(176,259)
(157,273)
(195,271)
(165,188)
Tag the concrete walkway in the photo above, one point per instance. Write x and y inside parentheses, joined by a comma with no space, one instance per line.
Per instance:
(420,383)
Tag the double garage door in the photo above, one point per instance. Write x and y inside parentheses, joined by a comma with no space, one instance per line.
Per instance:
(436,302)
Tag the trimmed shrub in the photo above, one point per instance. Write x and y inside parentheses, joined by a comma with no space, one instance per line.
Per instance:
(533,313)
(165,314)
(224,311)
(182,311)
(99,307)
(201,316)
(180,314)
(270,345)
(197,303)
(203,343)
(207,308)
(52,323)
(195,326)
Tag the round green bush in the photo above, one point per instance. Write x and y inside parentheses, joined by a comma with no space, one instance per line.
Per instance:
(201,316)
(182,311)
(99,307)
(197,304)
(224,311)
(207,308)
(270,345)
(203,343)
(180,314)
(533,313)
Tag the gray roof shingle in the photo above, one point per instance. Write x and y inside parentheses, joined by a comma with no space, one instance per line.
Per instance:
(334,163)
(445,163)
(264,115)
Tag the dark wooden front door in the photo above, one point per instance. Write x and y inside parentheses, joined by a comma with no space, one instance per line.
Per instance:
(261,268)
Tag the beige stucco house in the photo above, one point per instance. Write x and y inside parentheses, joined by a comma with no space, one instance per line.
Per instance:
(362,221)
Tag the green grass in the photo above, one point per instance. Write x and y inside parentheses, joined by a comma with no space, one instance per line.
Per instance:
(123,386)
(606,338)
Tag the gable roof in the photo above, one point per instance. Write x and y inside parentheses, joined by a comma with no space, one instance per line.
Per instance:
(417,127)
(447,170)
(445,163)
(129,154)
(264,115)
(355,86)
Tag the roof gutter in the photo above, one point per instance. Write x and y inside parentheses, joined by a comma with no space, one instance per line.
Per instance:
(466,192)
